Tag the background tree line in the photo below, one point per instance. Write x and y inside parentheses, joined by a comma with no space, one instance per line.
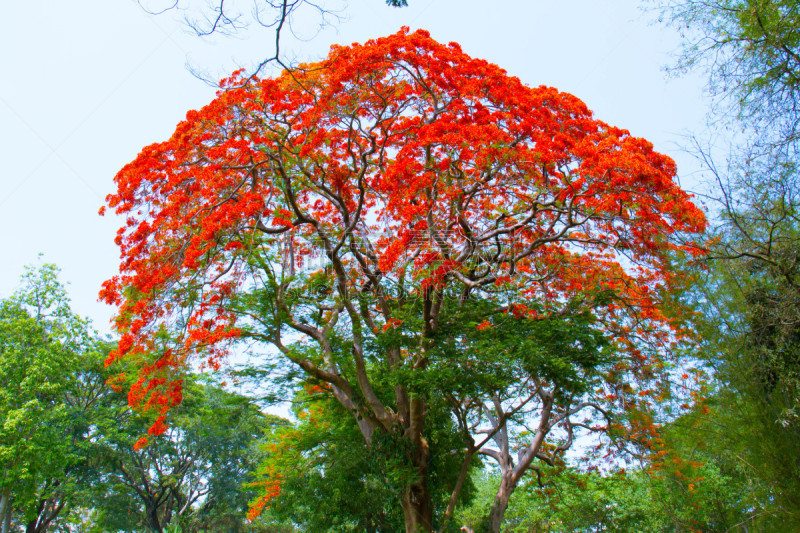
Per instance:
(68,437)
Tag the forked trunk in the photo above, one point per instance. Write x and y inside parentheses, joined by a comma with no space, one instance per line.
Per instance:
(511,473)
(151,515)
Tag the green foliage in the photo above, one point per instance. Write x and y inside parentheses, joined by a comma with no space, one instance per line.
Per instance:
(751,52)
(749,299)
(321,474)
(67,461)
(34,368)
(571,501)
(191,476)
(46,400)
(327,478)
(480,361)
(754,350)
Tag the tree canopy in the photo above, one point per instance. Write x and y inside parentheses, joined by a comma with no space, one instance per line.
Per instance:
(372,215)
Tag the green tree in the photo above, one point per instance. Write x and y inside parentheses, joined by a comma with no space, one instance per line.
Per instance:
(192,475)
(749,300)
(696,486)
(319,474)
(67,438)
(750,306)
(540,382)
(43,395)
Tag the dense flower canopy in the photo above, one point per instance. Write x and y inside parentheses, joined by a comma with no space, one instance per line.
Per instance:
(409,167)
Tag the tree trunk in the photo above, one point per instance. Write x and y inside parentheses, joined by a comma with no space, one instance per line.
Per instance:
(31,526)
(5,510)
(151,513)
(511,474)
(417,505)
(500,504)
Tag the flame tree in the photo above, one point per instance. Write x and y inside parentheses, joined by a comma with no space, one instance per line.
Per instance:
(431,184)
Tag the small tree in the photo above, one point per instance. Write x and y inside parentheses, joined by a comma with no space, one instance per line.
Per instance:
(343,214)
(193,474)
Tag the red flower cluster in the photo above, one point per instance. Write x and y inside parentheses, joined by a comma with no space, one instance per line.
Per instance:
(470,178)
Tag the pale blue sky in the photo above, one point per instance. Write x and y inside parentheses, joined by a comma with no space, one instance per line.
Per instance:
(85,85)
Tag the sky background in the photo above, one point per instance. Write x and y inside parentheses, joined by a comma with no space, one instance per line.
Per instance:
(85,85)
